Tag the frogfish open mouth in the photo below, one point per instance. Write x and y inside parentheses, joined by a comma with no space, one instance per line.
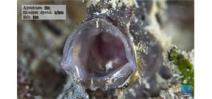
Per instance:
(98,54)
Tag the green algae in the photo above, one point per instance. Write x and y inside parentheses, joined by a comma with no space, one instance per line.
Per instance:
(186,68)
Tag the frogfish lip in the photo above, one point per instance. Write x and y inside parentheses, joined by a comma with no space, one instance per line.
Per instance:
(99,55)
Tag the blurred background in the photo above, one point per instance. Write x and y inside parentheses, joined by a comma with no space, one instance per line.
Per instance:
(40,43)
(179,25)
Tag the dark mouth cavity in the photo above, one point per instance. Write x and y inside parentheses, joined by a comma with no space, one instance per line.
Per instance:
(106,53)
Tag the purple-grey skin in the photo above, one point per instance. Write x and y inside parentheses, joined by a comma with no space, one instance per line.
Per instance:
(101,52)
